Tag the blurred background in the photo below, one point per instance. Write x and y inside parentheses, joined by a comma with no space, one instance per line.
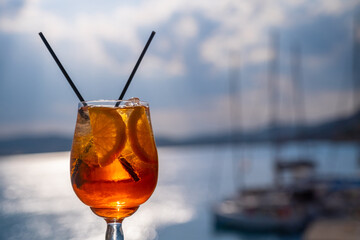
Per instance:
(250,101)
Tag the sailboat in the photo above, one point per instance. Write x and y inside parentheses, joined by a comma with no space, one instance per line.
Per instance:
(282,208)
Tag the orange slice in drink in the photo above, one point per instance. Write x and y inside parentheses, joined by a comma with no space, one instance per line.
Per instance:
(141,136)
(108,134)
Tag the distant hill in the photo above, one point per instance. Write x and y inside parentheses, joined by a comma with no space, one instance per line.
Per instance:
(344,129)
(341,129)
(34,144)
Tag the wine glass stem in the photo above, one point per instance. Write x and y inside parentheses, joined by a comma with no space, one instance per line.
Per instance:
(114,231)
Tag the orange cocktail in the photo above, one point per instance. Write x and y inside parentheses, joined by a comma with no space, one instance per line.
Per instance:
(114,164)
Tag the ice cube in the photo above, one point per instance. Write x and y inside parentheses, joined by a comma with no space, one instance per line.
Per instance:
(84,113)
(134,101)
(83,127)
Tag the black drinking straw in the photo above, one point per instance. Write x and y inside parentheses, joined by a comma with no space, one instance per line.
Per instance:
(62,68)
(135,68)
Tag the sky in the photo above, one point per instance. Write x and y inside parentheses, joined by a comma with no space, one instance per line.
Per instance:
(206,56)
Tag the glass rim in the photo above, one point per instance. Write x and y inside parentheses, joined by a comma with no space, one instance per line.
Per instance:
(109,102)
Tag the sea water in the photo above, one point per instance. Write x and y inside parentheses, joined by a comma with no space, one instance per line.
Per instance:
(37,201)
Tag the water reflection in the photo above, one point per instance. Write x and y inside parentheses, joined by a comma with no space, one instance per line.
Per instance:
(37,201)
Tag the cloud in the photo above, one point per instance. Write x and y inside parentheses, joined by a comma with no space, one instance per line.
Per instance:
(186,28)
(240,26)
(245,26)
(251,112)
(189,58)
(88,31)
(170,67)
(11,7)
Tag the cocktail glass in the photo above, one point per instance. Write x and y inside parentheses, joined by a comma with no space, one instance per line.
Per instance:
(114,163)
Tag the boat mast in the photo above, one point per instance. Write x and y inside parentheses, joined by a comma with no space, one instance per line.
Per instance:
(298,94)
(356,62)
(273,75)
(296,76)
(356,72)
(235,111)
